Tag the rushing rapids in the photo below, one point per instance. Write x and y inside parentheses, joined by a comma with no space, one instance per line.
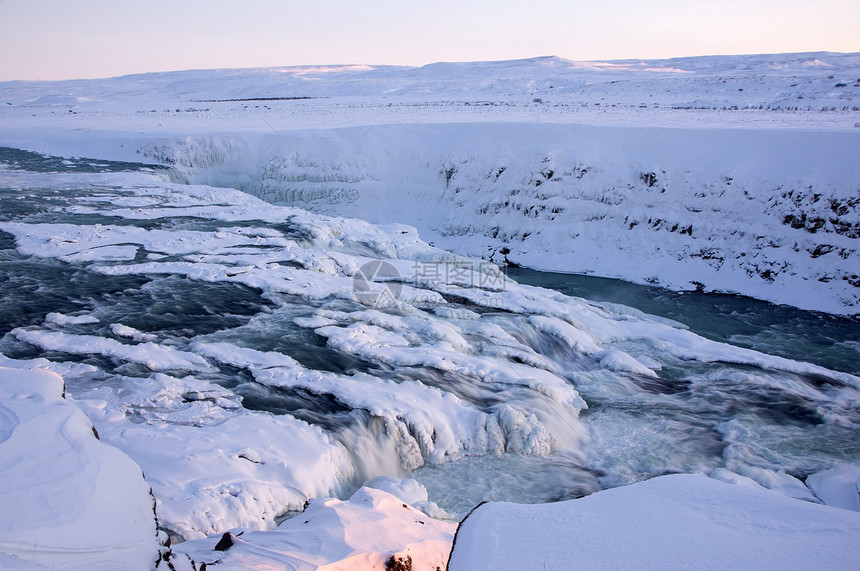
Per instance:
(251,356)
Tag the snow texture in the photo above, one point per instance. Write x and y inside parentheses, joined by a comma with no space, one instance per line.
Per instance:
(214,465)
(838,487)
(734,174)
(364,532)
(669,522)
(69,501)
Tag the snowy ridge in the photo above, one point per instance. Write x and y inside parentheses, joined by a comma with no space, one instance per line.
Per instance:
(775,81)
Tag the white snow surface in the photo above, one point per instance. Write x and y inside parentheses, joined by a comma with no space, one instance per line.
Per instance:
(838,487)
(363,532)
(771,214)
(68,500)
(670,522)
(732,173)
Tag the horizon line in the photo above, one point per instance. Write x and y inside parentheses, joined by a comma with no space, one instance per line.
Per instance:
(372,66)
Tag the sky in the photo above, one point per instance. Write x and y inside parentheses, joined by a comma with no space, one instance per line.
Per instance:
(66,39)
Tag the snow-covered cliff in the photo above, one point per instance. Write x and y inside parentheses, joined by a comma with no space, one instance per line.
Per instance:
(764,213)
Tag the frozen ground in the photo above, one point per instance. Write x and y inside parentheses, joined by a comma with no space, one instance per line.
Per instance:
(251,356)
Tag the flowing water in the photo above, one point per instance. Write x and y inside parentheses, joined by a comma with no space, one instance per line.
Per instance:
(694,416)
(831,341)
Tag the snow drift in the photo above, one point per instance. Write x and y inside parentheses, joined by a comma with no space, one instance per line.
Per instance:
(671,522)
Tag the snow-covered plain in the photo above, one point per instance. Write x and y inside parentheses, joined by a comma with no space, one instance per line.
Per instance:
(252,356)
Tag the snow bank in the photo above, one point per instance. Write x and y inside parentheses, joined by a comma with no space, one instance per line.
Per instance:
(155,357)
(243,471)
(211,464)
(370,529)
(838,487)
(69,501)
(670,522)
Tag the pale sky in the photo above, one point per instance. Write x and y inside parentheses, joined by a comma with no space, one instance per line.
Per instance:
(63,39)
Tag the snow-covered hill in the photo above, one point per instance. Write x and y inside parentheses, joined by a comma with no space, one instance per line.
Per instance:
(806,81)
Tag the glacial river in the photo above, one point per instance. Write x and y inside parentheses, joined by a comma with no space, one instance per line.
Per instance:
(93,307)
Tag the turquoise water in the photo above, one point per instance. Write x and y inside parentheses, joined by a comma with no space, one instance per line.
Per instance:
(828,340)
